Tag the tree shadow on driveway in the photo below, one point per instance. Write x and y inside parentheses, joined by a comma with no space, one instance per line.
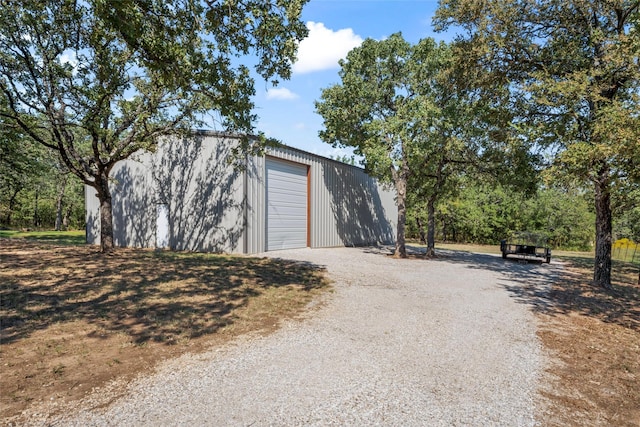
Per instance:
(559,288)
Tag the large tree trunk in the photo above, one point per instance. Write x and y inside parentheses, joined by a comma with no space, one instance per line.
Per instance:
(602,267)
(401,189)
(431,226)
(106,213)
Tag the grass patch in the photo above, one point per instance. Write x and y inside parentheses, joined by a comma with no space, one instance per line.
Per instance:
(73,237)
(583,259)
(74,319)
(464,247)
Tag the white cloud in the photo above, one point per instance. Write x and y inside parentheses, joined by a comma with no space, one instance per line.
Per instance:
(300,126)
(281,93)
(323,48)
(69,57)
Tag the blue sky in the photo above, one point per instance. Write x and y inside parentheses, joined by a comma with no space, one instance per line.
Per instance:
(335,27)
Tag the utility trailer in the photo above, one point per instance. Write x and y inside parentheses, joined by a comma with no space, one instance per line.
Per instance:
(526,246)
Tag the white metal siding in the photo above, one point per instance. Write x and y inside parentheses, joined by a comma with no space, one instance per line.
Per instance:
(203,195)
(214,208)
(347,207)
(162,226)
(286,204)
(255,211)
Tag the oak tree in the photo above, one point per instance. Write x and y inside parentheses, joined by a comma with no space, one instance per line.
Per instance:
(383,108)
(573,73)
(462,135)
(98,80)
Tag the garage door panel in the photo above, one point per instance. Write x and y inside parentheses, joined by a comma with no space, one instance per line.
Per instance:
(290,208)
(286,204)
(287,227)
(287,199)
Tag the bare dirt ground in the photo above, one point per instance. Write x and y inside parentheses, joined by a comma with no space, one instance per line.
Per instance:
(594,337)
(73,320)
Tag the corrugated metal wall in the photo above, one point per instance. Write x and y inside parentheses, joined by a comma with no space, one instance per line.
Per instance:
(348,207)
(92,215)
(192,180)
(212,207)
(255,206)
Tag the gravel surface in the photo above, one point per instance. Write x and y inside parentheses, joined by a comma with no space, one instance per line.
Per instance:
(412,342)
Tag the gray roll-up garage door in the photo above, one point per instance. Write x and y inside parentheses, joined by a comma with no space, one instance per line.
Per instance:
(286,204)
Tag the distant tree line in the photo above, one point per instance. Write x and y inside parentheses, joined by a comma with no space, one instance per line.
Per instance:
(485,214)
(36,189)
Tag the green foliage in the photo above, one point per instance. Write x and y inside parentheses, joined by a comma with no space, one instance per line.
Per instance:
(386,108)
(32,180)
(467,135)
(565,216)
(418,124)
(488,213)
(627,214)
(372,109)
(345,159)
(19,165)
(123,73)
(99,80)
(481,213)
(571,69)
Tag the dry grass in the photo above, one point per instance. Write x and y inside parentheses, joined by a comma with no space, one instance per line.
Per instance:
(594,335)
(485,249)
(74,319)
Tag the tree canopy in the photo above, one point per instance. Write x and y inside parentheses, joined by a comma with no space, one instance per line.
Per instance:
(99,80)
(573,74)
(384,108)
(419,125)
(486,212)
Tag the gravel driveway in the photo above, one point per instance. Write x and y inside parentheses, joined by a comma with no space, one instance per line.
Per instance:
(400,342)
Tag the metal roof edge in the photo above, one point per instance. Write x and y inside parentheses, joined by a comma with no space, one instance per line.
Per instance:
(279,144)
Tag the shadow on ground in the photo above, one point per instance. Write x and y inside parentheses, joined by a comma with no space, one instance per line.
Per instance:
(158,296)
(562,287)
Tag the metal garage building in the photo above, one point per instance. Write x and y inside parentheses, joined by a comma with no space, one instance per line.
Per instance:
(186,196)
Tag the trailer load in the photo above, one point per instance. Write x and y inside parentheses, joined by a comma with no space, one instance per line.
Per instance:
(526,246)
